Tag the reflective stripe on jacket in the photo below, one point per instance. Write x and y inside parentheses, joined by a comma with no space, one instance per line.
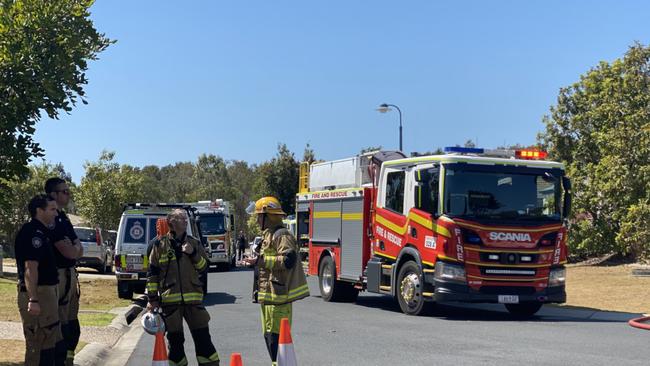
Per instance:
(173,280)
(281,277)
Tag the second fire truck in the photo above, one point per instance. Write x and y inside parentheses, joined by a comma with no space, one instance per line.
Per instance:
(217,225)
(471,225)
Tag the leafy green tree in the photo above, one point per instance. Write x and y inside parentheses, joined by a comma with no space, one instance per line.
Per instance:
(210,179)
(600,129)
(253,228)
(45,46)
(242,177)
(105,188)
(308,155)
(176,182)
(279,178)
(151,181)
(20,192)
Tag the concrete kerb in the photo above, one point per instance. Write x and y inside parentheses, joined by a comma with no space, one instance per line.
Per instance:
(95,354)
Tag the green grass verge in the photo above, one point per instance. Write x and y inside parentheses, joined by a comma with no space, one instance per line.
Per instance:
(95,319)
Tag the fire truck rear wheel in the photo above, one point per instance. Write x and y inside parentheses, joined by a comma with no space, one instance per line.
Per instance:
(524,310)
(330,288)
(409,289)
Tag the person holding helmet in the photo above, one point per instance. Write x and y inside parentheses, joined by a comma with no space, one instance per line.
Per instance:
(176,260)
(281,279)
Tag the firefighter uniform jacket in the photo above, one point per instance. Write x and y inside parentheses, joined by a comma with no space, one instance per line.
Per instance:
(281,277)
(173,277)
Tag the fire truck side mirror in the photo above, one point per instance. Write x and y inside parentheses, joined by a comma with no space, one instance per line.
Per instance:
(566,183)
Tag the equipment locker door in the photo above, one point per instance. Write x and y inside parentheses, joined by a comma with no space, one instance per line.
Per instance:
(351,238)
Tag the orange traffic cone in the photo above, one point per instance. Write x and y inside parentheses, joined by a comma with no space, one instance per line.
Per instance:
(160,351)
(235,359)
(286,353)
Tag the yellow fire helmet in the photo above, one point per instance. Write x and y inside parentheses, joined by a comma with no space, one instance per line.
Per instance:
(268,205)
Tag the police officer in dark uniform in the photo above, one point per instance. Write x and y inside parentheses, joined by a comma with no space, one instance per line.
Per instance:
(68,249)
(37,283)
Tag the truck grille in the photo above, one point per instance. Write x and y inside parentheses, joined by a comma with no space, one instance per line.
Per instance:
(507,290)
(215,244)
(491,271)
(509,258)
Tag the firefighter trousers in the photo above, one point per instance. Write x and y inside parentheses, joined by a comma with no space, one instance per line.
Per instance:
(271,317)
(69,311)
(197,319)
(42,332)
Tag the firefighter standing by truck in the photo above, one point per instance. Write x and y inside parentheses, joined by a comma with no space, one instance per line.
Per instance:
(173,284)
(281,279)
(68,250)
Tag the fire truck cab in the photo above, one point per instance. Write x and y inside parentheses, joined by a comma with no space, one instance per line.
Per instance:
(472,225)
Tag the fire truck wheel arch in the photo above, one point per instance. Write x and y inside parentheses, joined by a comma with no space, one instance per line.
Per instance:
(327,253)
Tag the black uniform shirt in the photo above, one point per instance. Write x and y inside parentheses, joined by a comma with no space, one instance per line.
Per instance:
(62,229)
(34,243)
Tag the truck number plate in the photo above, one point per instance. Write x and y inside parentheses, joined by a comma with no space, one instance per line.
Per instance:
(508,299)
(133,259)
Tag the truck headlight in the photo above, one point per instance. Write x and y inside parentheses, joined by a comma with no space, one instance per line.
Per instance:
(557,277)
(449,272)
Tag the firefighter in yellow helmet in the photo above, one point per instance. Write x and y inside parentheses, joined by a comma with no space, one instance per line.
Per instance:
(281,279)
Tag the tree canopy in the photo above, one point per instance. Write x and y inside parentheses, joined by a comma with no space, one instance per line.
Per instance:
(600,128)
(45,46)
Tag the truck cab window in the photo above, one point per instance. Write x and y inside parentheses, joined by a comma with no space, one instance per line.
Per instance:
(426,190)
(395,192)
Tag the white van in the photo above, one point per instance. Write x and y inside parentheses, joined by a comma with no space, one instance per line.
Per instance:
(96,253)
(137,229)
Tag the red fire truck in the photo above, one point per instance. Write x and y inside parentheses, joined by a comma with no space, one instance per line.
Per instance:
(472,225)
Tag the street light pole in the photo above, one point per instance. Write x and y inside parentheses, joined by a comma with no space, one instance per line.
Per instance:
(383,108)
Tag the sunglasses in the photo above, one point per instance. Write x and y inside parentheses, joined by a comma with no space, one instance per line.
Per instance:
(64,191)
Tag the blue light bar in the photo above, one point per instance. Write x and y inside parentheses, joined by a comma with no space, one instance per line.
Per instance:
(463,150)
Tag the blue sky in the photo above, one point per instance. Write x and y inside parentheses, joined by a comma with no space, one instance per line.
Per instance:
(234,78)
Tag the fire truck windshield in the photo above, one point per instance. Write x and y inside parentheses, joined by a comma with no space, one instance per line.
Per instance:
(212,224)
(498,193)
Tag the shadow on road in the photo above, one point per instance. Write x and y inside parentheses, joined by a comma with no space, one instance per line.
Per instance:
(218,298)
(495,312)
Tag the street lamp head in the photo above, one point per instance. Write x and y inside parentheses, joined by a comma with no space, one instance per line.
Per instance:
(383,108)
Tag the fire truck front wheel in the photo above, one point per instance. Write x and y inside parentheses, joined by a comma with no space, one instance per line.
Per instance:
(409,289)
(524,310)
(330,288)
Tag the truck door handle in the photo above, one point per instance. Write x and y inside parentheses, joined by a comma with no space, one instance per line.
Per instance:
(381,245)
(414,232)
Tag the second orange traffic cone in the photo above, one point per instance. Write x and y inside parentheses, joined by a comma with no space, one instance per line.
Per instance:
(160,351)
(286,353)
(235,359)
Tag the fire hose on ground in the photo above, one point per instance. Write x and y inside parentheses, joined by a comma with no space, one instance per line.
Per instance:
(640,323)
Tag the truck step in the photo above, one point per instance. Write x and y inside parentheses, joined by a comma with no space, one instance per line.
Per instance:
(385,289)
(386,269)
(427,294)
(427,270)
